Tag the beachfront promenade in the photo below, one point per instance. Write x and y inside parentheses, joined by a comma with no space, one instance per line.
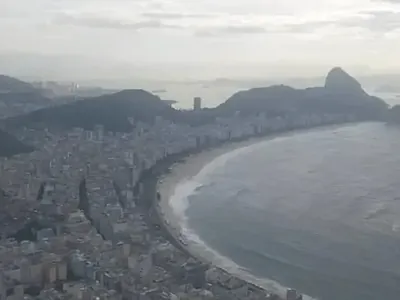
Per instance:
(83,221)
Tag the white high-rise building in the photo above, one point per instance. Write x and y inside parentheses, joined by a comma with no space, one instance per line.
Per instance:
(197,103)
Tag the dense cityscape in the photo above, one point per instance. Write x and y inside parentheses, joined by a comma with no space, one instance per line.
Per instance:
(100,244)
(79,213)
(199,150)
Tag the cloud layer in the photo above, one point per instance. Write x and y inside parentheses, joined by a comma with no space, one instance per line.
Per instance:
(208,30)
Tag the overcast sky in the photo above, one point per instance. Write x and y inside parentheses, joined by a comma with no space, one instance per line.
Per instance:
(210,32)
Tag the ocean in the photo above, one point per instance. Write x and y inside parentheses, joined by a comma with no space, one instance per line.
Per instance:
(315,210)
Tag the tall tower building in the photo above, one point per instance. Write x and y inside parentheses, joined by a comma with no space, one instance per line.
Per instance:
(99,132)
(197,103)
(291,294)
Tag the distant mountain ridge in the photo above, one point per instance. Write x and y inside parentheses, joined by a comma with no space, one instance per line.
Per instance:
(112,111)
(18,97)
(338,81)
(341,94)
(24,97)
(12,85)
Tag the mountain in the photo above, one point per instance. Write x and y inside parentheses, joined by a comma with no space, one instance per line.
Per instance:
(33,97)
(18,97)
(112,111)
(9,145)
(340,94)
(338,81)
(18,103)
(13,85)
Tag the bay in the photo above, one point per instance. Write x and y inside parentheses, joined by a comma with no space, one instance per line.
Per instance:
(317,210)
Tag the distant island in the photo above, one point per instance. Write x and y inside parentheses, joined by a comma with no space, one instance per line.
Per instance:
(159,91)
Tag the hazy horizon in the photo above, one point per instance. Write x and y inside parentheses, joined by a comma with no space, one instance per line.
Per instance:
(189,40)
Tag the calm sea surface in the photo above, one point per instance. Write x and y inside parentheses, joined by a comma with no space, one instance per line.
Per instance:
(318,210)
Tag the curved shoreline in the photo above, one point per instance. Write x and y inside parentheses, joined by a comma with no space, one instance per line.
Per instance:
(183,168)
(175,224)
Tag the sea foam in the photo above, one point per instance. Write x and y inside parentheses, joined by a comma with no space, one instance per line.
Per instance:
(179,202)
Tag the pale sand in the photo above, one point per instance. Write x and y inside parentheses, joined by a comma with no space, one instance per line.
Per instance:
(186,170)
(175,222)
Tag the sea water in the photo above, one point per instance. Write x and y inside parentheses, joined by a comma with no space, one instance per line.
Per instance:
(315,210)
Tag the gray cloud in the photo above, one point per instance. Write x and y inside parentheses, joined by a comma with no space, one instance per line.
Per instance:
(108,23)
(374,21)
(381,21)
(230,30)
(157,21)
(175,16)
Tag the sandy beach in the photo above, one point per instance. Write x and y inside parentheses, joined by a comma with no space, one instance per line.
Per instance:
(173,214)
(186,170)
(174,217)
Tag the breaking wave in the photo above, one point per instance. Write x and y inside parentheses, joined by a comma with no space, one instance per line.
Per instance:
(180,201)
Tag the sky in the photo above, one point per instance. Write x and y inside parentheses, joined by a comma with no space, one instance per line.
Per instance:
(209,35)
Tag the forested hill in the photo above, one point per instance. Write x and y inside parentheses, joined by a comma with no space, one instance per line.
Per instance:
(9,145)
(341,94)
(12,85)
(112,111)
